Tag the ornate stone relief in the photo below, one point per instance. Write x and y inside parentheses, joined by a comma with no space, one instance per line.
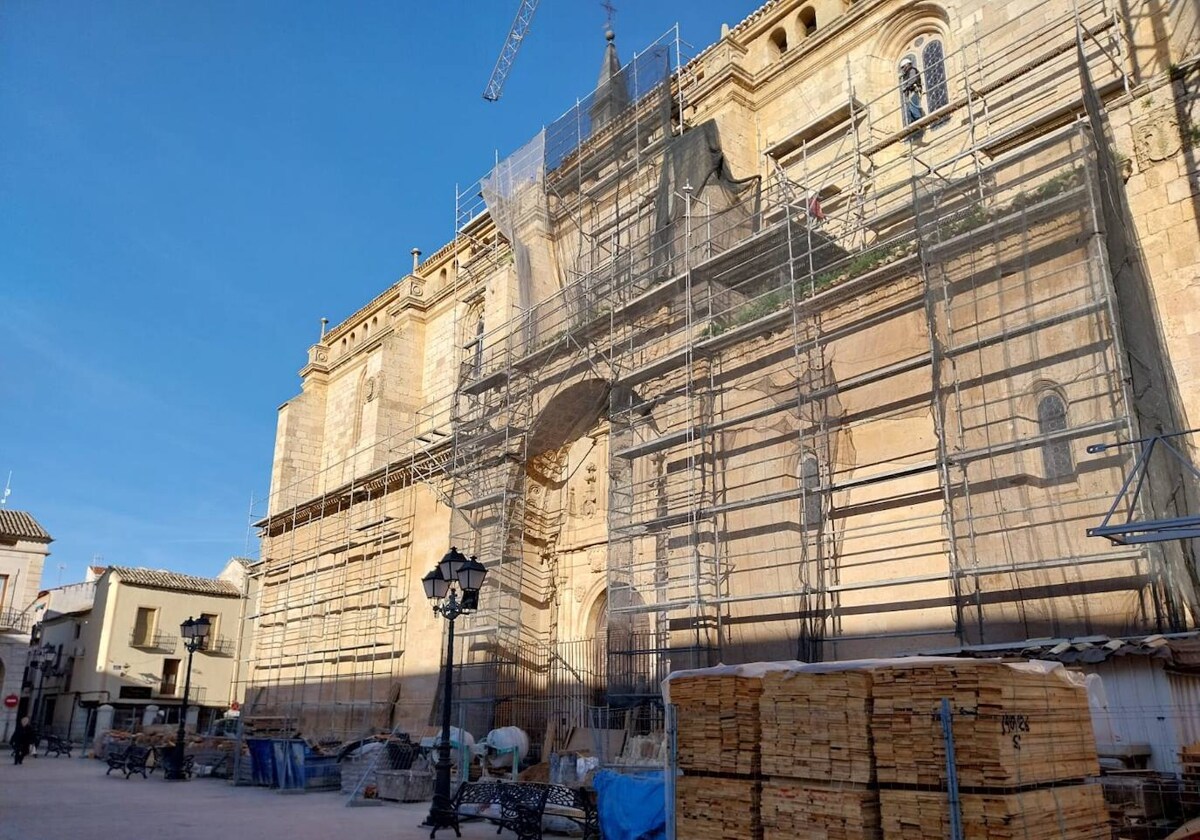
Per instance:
(1156,140)
(589,492)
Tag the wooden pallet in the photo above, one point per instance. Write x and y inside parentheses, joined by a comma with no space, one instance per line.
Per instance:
(817,726)
(1073,812)
(805,810)
(719,728)
(717,808)
(1011,728)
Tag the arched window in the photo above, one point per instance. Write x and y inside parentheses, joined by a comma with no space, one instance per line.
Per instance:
(1056,454)
(928,58)
(473,329)
(810,482)
(933,62)
(779,41)
(808,21)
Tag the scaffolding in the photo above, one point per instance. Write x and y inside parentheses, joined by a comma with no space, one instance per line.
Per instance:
(830,397)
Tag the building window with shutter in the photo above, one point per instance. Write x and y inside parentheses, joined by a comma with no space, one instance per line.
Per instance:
(144,626)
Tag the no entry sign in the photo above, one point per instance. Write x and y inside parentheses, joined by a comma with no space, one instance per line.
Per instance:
(10,702)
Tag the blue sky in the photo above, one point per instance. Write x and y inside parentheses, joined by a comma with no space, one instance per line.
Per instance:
(187,188)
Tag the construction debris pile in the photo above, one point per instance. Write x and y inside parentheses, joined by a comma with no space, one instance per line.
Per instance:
(858,751)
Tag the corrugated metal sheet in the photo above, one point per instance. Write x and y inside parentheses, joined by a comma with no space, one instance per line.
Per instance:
(1141,709)
(1185,697)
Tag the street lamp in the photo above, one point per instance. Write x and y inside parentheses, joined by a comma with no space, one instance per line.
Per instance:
(195,634)
(455,576)
(43,657)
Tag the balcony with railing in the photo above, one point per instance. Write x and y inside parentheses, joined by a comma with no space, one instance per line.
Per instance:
(164,642)
(218,646)
(15,621)
(196,695)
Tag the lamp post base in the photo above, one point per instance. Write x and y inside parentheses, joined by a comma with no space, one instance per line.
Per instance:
(442,815)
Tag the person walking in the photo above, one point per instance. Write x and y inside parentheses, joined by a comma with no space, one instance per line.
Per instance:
(22,740)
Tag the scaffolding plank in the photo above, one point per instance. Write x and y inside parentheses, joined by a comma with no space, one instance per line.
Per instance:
(486,382)
(657,444)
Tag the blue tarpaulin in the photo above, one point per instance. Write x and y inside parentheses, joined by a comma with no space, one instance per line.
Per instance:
(631,807)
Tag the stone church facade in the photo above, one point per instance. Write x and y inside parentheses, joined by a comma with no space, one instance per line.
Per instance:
(757,354)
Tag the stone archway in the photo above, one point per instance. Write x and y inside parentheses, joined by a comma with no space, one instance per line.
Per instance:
(568,415)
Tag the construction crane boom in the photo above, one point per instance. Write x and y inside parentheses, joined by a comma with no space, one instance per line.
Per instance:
(508,54)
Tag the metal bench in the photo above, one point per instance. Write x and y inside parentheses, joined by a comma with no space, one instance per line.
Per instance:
(129,761)
(521,806)
(576,805)
(58,746)
(513,806)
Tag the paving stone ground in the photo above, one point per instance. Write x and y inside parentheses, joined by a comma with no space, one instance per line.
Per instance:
(72,799)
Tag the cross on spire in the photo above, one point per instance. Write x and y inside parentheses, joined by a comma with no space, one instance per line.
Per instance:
(610,10)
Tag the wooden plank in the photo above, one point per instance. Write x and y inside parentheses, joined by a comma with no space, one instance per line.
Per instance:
(817,726)
(719,727)
(1012,728)
(1073,812)
(717,808)
(798,809)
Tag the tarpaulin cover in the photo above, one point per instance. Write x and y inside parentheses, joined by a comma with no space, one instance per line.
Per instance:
(262,761)
(632,807)
(757,670)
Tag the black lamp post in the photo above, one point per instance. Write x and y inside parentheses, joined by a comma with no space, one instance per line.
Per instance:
(453,587)
(195,634)
(43,658)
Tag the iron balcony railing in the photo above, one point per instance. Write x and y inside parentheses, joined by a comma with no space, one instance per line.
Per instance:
(152,641)
(11,620)
(218,646)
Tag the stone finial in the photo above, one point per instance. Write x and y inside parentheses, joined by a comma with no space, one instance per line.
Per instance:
(416,254)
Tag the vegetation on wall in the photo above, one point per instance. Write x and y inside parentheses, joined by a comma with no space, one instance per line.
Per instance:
(873,258)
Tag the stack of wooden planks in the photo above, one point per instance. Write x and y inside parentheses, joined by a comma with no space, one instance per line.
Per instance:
(719,728)
(858,753)
(1012,728)
(717,808)
(814,811)
(816,756)
(1073,812)
(817,726)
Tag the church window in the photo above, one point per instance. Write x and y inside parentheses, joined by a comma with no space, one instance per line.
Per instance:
(473,338)
(933,62)
(1056,454)
(808,21)
(927,56)
(810,483)
(779,41)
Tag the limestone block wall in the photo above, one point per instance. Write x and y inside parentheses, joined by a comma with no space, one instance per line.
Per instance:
(1156,136)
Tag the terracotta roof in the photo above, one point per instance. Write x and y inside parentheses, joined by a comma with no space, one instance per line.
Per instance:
(22,526)
(174,581)
(1182,650)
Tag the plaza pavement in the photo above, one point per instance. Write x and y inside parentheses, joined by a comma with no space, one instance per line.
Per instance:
(71,799)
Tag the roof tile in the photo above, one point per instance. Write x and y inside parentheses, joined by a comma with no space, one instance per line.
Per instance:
(174,581)
(22,526)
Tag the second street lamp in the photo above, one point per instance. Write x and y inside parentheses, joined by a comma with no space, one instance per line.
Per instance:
(453,586)
(43,658)
(195,634)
